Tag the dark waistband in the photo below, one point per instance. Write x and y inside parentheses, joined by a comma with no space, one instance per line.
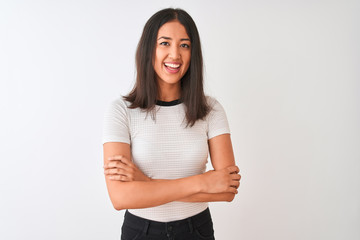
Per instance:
(154,227)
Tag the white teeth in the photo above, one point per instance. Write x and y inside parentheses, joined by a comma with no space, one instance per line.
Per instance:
(172,65)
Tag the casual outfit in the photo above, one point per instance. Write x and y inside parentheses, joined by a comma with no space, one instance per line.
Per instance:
(165,149)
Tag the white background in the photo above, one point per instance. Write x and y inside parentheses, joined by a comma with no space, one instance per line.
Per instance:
(286,72)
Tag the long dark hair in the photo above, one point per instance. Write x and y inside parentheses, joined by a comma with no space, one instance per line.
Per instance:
(145,90)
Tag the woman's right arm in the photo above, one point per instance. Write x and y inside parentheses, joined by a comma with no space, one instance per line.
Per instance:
(144,194)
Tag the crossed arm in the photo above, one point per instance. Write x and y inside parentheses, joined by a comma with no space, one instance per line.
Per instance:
(222,156)
(128,187)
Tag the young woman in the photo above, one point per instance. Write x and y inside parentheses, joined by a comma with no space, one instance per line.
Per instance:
(155,165)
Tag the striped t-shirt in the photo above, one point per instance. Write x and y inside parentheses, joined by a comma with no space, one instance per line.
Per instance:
(164,148)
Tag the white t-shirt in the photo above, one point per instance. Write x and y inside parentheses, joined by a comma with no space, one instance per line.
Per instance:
(164,148)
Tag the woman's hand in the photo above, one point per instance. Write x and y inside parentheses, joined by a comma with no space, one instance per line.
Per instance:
(220,181)
(122,169)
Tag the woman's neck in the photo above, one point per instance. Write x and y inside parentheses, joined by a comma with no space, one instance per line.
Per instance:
(168,95)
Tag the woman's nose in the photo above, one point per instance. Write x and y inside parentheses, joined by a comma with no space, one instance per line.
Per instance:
(174,52)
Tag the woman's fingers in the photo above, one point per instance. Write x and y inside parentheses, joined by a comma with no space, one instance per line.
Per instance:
(120,165)
(235,184)
(117,164)
(120,169)
(118,174)
(233,169)
(235,180)
(233,190)
(126,161)
(117,158)
(122,178)
(115,171)
(235,176)
(119,161)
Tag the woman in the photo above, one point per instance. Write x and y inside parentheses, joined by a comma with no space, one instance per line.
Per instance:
(154,166)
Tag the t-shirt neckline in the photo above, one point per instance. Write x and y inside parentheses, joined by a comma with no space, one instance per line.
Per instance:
(167,104)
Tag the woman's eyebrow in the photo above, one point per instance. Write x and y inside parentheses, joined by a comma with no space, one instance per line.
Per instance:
(168,38)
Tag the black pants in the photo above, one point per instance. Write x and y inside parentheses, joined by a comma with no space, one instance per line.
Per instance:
(196,227)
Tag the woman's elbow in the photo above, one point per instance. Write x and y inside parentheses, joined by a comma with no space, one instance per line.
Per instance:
(118,204)
(118,208)
(122,203)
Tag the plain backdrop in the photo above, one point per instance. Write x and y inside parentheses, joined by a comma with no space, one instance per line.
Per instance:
(286,72)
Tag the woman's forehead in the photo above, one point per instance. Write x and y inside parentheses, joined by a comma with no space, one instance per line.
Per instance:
(173,29)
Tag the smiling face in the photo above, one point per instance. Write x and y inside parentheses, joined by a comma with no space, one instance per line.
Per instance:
(172,54)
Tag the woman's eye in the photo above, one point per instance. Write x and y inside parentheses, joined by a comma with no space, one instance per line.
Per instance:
(164,43)
(184,45)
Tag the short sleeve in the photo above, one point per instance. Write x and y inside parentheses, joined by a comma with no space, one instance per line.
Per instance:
(217,120)
(116,123)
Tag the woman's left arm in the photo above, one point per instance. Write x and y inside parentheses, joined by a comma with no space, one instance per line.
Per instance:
(222,156)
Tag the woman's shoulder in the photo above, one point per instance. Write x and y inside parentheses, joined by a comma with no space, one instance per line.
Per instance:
(121,101)
(216,108)
(119,104)
(212,101)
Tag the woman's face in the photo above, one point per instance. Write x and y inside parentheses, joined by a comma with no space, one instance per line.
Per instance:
(172,53)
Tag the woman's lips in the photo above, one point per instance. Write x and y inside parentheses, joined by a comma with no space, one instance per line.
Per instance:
(172,67)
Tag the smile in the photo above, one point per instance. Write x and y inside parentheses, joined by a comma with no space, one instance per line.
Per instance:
(172,67)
